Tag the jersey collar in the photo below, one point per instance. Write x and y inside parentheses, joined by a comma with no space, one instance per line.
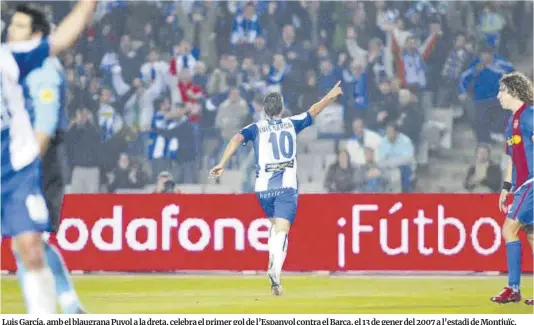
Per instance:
(521,109)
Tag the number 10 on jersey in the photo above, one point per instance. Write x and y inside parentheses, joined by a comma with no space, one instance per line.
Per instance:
(282,144)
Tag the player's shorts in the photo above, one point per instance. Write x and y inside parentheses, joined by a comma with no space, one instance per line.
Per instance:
(53,181)
(280,203)
(23,206)
(522,208)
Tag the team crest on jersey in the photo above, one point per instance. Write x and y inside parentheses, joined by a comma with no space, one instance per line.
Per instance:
(46,96)
(516,139)
(516,124)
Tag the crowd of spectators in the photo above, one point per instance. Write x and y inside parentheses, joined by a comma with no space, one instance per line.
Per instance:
(150,82)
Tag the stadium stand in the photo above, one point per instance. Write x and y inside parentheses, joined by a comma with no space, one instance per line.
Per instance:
(166,94)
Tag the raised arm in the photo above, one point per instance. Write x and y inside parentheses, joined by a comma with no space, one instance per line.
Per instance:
(329,98)
(72,26)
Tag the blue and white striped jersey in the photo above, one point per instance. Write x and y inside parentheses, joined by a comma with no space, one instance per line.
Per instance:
(19,145)
(275,149)
(29,55)
(161,146)
(28,84)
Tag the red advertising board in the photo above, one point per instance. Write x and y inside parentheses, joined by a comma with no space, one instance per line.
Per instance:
(334,232)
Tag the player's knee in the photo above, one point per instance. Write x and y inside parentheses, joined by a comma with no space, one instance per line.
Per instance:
(281,225)
(30,249)
(506,233)
(509,233)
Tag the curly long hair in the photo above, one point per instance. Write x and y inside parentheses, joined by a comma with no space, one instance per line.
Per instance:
(519,86)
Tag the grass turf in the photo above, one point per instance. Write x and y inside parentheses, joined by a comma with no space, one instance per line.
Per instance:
(142,294)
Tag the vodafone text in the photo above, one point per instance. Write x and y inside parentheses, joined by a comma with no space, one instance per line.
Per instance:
(162,232)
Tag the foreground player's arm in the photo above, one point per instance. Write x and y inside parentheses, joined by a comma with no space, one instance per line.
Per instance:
(329,98)
(248,133)
(218,170)
(44,88)
(72,26)
(507,185)
(508,171)
(232,146)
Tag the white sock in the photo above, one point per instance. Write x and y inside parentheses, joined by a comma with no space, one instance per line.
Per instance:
(39,290)
(67,300)
(270,246)
(278,249)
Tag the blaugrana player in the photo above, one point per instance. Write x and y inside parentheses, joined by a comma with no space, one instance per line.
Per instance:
(516,94)
(275,149)
(41,80)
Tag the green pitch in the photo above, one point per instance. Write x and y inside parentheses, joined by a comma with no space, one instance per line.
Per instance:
(303,294)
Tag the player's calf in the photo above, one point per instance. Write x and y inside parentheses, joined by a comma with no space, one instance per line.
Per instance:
(278,243)
(67,296)
(510,232)
(30,249)
(37,281)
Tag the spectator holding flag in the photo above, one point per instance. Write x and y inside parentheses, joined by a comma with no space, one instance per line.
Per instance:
(355,80)
(246,27)
(183,58)
(158,144)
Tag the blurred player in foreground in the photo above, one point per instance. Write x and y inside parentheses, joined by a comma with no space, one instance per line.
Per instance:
(42,85)
(516,94)
(275,149)
(23,211)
